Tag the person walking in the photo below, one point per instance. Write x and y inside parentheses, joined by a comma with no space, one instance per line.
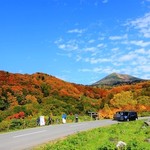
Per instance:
(64,117)
(76,117)
(38,121)
(49,120)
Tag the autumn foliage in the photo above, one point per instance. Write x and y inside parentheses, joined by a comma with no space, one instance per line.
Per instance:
(23,95)
(17,116)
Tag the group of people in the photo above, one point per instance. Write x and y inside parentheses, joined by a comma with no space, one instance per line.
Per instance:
(64,117)
(50,120)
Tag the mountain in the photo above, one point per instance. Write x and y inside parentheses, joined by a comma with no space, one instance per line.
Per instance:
(117,79)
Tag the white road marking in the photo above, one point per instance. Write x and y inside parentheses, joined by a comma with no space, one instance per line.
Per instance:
(21,135)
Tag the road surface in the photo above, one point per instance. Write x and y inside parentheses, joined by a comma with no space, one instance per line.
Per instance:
(28,138)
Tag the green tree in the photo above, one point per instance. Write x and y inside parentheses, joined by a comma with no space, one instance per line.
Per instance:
(45,89)
(3,103)
(21,99)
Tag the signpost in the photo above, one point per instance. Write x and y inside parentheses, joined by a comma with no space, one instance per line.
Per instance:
(93,115)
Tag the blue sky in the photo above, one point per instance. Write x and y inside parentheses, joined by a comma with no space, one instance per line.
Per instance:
(79,41)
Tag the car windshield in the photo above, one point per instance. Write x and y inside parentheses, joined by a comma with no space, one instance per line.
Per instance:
(123,113)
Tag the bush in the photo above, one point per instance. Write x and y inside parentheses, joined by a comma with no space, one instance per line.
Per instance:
(143,114)
(16,124)
(29,123)
(4,126)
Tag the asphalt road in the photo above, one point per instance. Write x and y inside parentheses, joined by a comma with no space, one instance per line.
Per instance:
(28,138)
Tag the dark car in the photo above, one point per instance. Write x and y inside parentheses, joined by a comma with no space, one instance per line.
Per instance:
(125,115)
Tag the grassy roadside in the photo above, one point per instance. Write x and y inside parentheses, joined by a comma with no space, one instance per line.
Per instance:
(135,134)
(31,122)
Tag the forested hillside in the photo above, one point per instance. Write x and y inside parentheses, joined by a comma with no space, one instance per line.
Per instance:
(23,95)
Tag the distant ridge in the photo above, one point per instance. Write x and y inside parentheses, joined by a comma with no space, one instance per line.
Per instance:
(117,79)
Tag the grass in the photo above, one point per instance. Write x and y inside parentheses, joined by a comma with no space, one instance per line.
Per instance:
(135,134)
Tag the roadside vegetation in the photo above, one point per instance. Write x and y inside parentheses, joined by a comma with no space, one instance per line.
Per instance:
(134,133)
(31,122)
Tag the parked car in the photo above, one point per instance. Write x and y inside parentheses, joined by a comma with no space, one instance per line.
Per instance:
(125,115)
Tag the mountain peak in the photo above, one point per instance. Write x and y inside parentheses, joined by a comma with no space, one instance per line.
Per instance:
(116,79)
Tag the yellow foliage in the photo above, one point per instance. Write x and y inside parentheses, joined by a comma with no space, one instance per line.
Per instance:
(122,99)
(106,112)
(31,99)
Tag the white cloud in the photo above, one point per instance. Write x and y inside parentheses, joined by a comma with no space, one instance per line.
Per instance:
(145,68)
(62,46)
(141,60)
(142,24)
(96,60)
(95,70)
(70,45)
(140,51)
(90,49)
(115,49)
(91,41)
(100,45)
(118,37)
(127,57)
(146,76)
(146,32)
(58,41)
(99,70)
(76,31)
(140,43)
